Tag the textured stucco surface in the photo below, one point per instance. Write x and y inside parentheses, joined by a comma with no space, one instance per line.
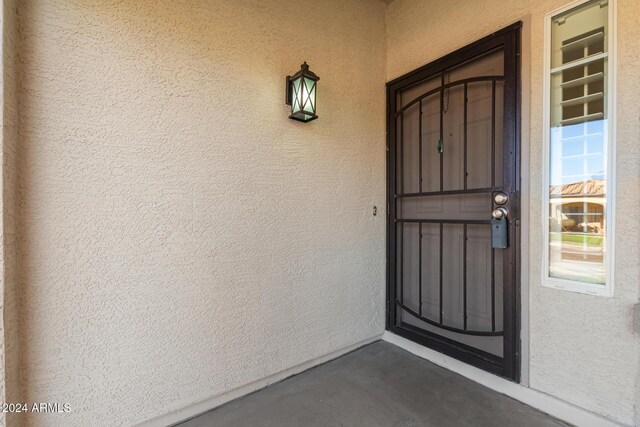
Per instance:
(180,237)
(10,354)
(582,348)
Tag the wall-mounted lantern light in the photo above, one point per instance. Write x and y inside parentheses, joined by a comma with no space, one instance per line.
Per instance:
(301,94)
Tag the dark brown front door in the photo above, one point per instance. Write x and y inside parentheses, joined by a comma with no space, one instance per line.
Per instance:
(453,142)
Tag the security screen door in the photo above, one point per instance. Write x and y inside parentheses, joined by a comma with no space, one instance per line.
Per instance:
(453,188)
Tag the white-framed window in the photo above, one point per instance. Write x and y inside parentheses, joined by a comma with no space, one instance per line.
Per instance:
(579,166)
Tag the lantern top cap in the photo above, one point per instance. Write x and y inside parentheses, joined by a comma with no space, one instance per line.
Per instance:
(304,71)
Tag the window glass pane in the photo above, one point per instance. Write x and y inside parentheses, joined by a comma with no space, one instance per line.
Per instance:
(578,33)
(578,144)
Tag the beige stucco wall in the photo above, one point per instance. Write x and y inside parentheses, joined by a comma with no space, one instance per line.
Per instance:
(180,236)
(9,367)
(582,348)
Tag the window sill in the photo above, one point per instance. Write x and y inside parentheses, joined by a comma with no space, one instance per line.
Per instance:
(578,287)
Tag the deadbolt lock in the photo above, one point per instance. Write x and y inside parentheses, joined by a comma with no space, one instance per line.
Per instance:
(500,198)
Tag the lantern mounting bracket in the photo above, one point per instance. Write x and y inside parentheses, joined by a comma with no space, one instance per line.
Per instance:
(288,93)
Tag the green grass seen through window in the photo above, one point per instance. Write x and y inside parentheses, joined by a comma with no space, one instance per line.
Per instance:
(589,239)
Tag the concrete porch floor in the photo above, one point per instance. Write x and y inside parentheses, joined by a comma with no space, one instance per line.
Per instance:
(377,385)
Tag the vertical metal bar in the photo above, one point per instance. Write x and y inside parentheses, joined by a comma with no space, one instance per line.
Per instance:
(399,207)
(465,139)
(510,257)
(493,134)
(392,190)
(441,228)
(442,134)
(493,290)
(464,273)
(420,145)
(420,269)
(402,263)
(401,150)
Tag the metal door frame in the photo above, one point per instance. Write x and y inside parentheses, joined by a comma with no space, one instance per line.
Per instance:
(509,365)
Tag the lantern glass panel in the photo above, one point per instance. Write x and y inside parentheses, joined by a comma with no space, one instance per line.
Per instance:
(309,100)
(297,95)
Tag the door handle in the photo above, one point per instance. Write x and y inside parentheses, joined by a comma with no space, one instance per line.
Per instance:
(499,228)
(499,213)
